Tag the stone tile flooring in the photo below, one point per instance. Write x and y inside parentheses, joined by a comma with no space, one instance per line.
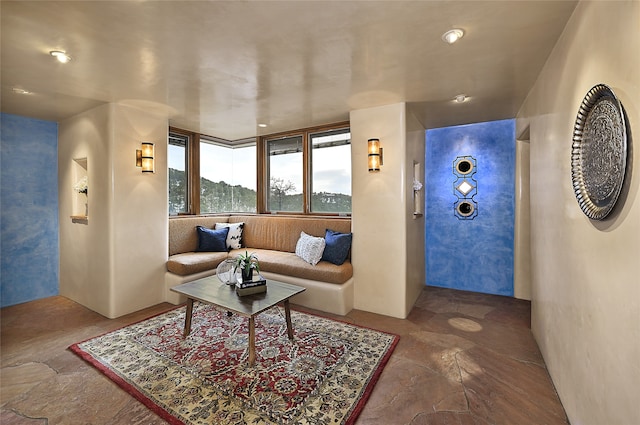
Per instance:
(463,358)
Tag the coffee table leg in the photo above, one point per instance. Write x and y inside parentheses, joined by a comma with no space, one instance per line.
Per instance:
(187,317)
(252,341)
(287,315)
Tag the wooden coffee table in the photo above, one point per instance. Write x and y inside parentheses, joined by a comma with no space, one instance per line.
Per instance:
(210,290)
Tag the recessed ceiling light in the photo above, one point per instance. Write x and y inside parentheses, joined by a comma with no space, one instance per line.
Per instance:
(60,55)
(460,98)
(20,91)
(452,35)
(262,125)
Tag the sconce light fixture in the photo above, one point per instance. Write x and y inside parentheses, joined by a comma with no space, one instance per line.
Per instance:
(144,157)
(375,155)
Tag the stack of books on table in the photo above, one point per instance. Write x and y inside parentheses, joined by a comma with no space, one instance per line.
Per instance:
(256,286)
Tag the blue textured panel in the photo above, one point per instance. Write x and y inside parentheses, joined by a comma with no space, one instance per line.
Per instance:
(28,209)
(472,255)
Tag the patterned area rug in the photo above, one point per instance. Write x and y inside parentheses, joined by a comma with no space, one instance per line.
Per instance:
(323,376)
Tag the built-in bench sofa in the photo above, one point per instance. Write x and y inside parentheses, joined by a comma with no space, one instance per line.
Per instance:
(273,238)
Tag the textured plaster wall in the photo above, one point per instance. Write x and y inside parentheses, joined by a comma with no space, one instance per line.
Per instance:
(522,226)
(85,254)
(414,203)
(585,279)
(386,280)
(474,255)
(28,209)
(114,262)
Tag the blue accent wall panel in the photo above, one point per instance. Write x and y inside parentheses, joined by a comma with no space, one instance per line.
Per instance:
(29,247)
(472,255)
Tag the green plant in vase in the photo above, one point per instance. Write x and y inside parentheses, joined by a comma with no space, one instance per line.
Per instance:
(247,263)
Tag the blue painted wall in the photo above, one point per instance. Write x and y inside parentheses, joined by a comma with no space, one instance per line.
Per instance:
(473,255)
(28,209)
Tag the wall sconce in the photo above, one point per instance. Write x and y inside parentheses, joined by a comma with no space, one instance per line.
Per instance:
(375,155)
(144,157)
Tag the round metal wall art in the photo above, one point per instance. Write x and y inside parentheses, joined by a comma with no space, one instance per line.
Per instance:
(599,152)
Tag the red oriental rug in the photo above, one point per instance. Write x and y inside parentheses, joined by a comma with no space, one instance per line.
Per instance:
(323,376)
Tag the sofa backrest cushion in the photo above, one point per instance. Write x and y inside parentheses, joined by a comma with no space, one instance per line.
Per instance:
(281,233)
(183,236)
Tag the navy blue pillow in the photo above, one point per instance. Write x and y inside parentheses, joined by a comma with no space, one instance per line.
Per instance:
(210,240)
(337,246)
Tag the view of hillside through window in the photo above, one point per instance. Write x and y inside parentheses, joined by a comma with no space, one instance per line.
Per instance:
(178,187)
(227,178)
(228,174)
(285,174)
(331,171)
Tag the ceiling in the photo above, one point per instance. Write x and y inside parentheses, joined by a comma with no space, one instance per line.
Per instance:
(222,68)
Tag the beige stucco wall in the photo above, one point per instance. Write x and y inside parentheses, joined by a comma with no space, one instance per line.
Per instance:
(85,271)
(585,279)
(522,225)
(114,262)
(386,280)
(415,236)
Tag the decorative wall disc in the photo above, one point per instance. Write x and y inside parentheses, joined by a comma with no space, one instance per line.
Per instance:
(466,209)
(464,166)
(599,152)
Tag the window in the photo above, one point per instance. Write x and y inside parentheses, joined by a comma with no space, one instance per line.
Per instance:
(285,174)
(178,174)
(210,175)
(331,171)
(227,177)
(301,172)
(308,171)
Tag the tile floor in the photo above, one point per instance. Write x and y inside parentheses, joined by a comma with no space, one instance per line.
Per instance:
(463,358)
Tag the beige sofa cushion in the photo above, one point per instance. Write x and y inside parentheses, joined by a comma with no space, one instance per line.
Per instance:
(289,264)
(194,262)
(182,232)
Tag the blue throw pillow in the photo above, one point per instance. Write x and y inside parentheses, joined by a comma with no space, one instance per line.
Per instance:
(337,246)
(212,240)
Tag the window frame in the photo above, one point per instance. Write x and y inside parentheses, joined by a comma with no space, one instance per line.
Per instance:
(320,133)
(241,143)
(266,188)
(262,184)
(193,166)
(192,173)
(263,169)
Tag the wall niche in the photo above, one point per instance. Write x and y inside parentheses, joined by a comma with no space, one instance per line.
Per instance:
(80,197)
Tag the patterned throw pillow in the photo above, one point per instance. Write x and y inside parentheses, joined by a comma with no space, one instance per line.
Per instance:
(234,238)
(310,248)
(210,240)
(337,246)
